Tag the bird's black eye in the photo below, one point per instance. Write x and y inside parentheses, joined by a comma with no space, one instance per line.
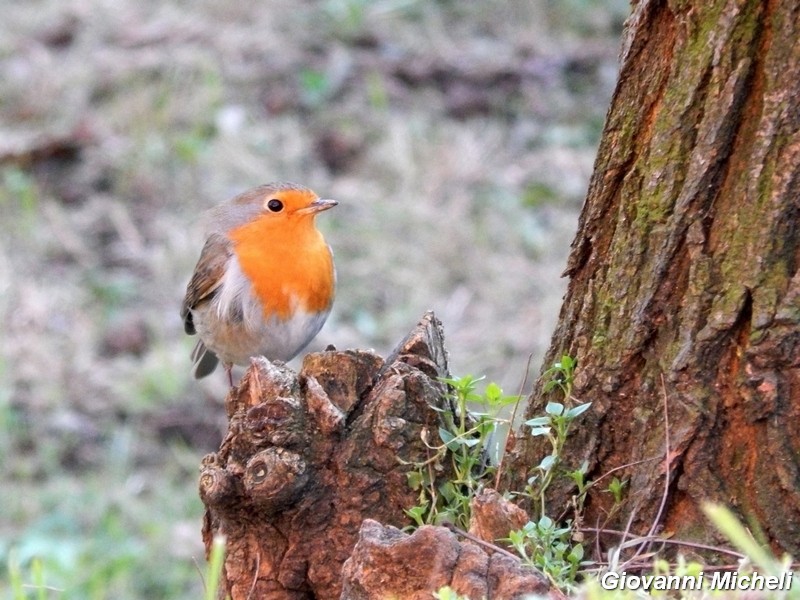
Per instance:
(275,205)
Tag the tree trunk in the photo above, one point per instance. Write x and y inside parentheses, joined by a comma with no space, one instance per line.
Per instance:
(684,289)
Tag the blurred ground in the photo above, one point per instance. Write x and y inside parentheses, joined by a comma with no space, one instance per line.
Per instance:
(457,136)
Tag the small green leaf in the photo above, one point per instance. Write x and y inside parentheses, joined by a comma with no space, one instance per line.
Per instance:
(484,429)
(576,554)
(447,593)
(469,442)
(493,391)
(516,537)
(578,410)
(448,491)
(615,488)
(537,421)
(446,436)
(506,400)
(554,408)
(414,479)
(547,462)
(529,528)
(417,513)
(577,477)
(537,431)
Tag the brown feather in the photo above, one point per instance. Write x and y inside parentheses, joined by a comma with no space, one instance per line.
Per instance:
(207,276)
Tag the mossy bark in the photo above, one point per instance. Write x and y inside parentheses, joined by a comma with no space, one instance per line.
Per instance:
(683,275)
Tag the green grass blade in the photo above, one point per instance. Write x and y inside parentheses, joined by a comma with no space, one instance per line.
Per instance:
(214,569)
(724,520)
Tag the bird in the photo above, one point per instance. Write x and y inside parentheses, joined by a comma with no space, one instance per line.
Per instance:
(265,281)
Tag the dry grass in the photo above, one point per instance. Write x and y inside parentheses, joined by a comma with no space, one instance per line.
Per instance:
(457,136)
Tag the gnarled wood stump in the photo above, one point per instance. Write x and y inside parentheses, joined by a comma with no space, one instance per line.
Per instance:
(309,456)
(387,563)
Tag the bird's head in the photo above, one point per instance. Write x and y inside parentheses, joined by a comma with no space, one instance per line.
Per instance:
(272,205)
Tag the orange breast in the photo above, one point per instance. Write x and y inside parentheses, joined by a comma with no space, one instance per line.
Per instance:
(290,266)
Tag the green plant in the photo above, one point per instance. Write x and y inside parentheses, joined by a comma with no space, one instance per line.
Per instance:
(38,589)
(549,548)
(555,424)
(214,568)
(615,488)
(681,569)
(724,520)
(465,435)
(19,590)
(561,375)
(447,593)
(544,543)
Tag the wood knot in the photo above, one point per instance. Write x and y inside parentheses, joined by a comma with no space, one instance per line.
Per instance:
(278,421)
(218,488)
(274,477)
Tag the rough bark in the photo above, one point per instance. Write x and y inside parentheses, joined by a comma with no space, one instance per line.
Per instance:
(388,563)
(684,271)
(309,456)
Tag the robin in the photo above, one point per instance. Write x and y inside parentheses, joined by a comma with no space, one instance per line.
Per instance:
(265,280)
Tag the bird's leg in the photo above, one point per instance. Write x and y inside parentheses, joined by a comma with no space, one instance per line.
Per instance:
(229,371)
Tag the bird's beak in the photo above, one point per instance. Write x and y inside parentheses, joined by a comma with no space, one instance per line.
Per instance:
(318,205)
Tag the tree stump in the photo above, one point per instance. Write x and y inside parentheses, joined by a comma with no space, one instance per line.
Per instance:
(309,456)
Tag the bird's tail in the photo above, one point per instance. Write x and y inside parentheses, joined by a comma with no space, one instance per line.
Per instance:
(204,360)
